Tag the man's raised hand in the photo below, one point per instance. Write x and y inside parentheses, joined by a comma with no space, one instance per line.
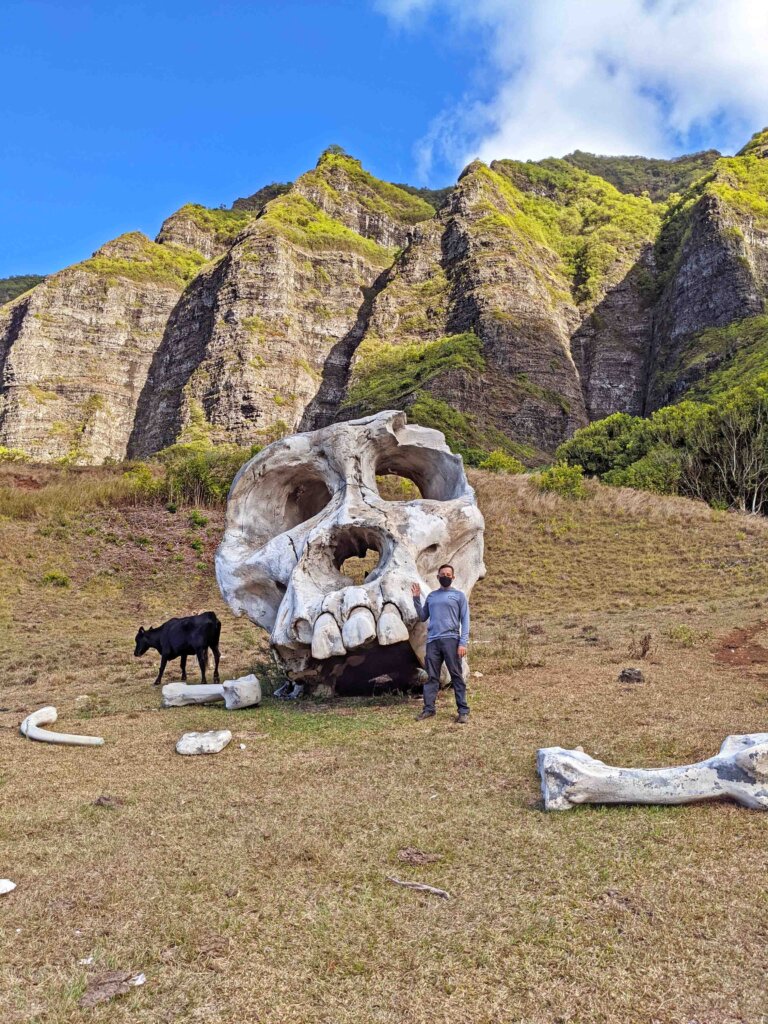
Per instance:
(416,590)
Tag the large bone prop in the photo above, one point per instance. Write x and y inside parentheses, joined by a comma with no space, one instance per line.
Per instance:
(305,505)
(30,728)
(244,692)
(739,771)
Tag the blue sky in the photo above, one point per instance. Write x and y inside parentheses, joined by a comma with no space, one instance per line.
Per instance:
(115,114)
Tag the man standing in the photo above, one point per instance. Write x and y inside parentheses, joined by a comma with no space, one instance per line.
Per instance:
(447,637)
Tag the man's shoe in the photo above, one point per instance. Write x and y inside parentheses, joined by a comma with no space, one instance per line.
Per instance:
(425,714)
(462,718)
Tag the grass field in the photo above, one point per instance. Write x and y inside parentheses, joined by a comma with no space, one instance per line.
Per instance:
(252,887)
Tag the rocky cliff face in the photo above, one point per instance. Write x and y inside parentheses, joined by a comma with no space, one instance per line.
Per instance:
(74,352)
(536,298)
(713,251)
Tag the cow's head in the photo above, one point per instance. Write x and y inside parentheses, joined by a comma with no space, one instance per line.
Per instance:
(142,643)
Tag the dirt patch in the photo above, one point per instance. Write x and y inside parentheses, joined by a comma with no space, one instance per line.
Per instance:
(740,649)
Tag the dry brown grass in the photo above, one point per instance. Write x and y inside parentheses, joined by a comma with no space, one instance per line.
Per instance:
(252,886)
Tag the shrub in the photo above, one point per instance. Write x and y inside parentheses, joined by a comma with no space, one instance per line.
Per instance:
(562,479)
(717,451)
(12,454)
(56,578)
(499,461)
(195,475)
(197,518)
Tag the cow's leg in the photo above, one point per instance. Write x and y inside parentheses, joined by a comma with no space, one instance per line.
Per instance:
(202,659)
(163,663)
(183,668)
(216,656)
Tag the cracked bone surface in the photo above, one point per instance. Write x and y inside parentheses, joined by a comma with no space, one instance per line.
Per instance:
(30,728)
(739,771)
(307,503)
(244,692)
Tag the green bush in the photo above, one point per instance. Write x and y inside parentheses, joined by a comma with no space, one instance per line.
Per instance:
(563,479)
(196,475)
(714,450)
(56,578)
(661,471)
(12,454)
(499,461)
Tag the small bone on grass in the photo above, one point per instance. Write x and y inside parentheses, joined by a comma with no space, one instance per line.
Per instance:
(420,887)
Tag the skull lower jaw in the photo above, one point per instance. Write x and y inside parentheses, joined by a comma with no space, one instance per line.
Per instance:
(368,670)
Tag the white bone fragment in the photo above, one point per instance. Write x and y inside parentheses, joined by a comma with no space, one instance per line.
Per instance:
(177,695)
(326,639)
(6,886)
(359,628)
(244,692)
(390,628)
(738,771)
(203,742)
(30,728)
(421,887)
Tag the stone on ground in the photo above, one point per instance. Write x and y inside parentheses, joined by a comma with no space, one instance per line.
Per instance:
(203,742)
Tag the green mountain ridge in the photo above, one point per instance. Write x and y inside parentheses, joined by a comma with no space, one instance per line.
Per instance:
(511,309)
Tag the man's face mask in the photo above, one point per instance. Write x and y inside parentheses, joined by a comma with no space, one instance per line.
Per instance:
(445,581)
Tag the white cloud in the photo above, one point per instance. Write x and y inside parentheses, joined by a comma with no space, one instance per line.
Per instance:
(608,76)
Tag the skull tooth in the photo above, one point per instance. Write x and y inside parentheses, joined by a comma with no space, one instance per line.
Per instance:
(391,629)
(360,597)
(326,638)
(359,628)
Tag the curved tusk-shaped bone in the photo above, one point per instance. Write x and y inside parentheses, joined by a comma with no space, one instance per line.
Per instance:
(738,771)
(30,728)
(359,628)
(326,638)
(391,629)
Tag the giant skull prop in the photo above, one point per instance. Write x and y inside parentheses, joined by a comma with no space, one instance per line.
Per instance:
(307,503)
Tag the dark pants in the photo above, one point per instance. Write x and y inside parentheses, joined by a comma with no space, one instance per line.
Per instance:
(445,650)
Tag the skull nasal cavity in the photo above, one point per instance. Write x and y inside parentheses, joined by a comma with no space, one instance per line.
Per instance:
(356,553)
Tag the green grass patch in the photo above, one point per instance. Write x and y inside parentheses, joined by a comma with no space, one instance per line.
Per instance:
(386,375)
(595,230)
(374,195)
(301,222)
(145,261)
(223,225)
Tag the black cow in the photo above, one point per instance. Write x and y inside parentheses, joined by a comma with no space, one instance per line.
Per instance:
(177,638)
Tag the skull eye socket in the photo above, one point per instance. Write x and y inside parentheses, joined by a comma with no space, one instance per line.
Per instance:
(437,475)
(307,498)
(277,500)
(393,487)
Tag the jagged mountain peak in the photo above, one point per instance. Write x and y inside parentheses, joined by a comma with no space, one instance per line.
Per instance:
(757,145)
(540,295)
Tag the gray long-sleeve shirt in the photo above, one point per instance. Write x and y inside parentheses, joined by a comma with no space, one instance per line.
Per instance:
(448,613)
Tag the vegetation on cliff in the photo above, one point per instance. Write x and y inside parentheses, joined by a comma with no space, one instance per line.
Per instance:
(597,231)
(11,287)
(135,257)
(335,168)
(639,174)
(223,225)
(718,358)
(388,376)
(301,222)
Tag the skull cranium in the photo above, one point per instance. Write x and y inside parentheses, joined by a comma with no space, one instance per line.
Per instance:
(304,505)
